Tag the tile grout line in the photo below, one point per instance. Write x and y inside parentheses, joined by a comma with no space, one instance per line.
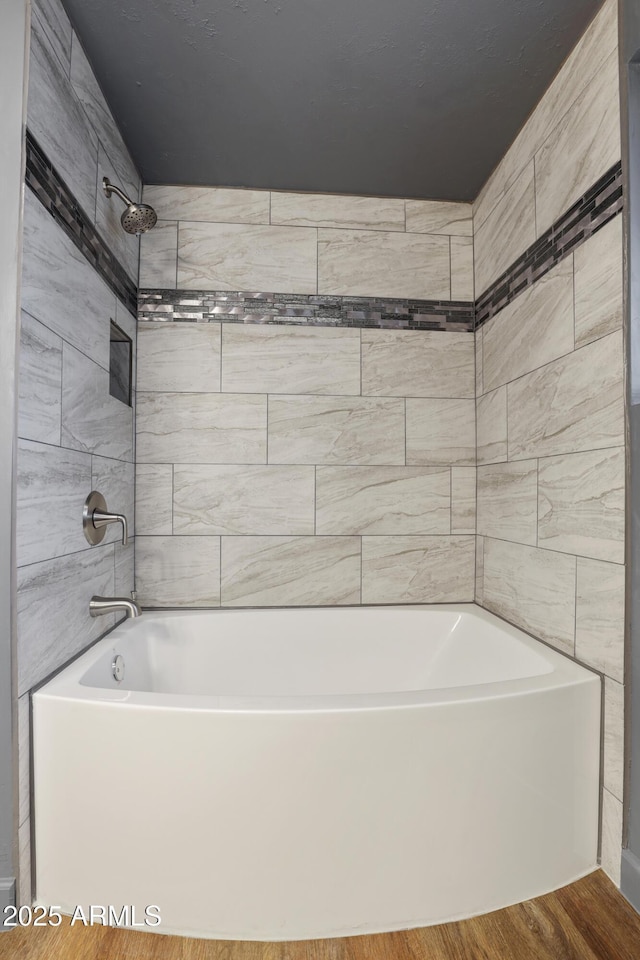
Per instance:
(573,289)
(575,611)
(535,200)
(173,499)
(554,550)
(267,436)
(177,250)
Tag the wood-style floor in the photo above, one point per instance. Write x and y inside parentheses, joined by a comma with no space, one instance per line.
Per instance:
(588,920)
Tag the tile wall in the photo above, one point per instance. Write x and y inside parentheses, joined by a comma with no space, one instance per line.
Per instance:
(73,436)
(310,464)
(302,466)
(210,238)
(307,464)
(550,395)
(568,142)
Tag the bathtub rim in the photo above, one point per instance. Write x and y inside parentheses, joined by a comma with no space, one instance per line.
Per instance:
(65,684)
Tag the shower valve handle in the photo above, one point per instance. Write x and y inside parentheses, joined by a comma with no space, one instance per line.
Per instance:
(96,517)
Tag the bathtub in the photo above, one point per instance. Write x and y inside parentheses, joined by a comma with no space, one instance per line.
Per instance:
(291,774)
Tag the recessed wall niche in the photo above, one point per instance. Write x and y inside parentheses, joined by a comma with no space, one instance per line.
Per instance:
(120,365)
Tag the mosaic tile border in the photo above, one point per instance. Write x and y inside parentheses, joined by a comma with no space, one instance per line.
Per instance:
(603,201)
(53,193)
(305,309)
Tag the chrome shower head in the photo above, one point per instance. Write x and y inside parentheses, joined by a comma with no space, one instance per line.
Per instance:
(138,217)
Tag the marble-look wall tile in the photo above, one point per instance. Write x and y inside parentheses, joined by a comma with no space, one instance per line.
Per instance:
(58,122)
(600,616)
(235,256)
(462,283)
(479,362)
(52,485)
(507,231)
(53,610)
(586,58)
(375,263)
(503,178)
(97,110)
(508,501)
(463,500)
(178,571)
(611,855)
(127,322)
(55,27)
(435,216)
(599,283)
(581,504)
(441,432)
(613,773)
(417,569)
(24,758)
(154,498)
(532,588)
(213,204)
(24,891)
(575,403)
(336,430)
(237,500)
(179,357)
(115,481)
(60,288)
(280,359)
(581,148)
(491,411)
(479,591)
(534,329)
(124,569)
(125,246)
(332,210)
(290,571)
(92,420)
(382,500)
(201,428)
(159,256)
(40,382)
(416,363)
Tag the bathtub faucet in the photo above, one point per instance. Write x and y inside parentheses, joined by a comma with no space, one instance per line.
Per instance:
(100,605)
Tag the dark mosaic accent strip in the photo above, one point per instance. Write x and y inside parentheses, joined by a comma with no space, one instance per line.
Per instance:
(587,215)
(304,309)
(49,187)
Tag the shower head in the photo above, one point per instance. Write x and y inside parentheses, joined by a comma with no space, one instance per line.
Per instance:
(138,217)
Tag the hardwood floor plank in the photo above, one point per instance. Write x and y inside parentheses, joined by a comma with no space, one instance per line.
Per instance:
(588,920)
(608,923)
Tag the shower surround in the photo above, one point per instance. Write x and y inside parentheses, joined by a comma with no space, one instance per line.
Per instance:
(324,478)
(551,387)
(79,269)
(306,418)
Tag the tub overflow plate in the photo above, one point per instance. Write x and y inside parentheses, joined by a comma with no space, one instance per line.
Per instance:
(117,668)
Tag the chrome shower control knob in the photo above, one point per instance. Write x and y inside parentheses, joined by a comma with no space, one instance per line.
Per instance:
(117,668)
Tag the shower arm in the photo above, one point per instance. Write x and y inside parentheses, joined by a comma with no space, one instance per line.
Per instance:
(110,188)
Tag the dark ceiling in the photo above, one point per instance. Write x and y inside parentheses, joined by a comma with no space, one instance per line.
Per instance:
(411,98)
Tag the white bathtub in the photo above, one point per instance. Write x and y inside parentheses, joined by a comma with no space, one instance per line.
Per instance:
(285,774)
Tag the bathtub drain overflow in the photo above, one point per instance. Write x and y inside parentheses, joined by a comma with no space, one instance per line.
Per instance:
(117,668)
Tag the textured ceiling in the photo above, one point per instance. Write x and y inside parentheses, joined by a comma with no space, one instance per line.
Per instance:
(415,98)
